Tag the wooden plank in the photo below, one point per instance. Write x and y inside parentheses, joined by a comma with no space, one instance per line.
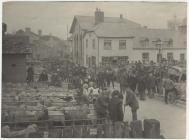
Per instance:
(126,130)
(118,130)
(136,129)
(151,128)
(108,130)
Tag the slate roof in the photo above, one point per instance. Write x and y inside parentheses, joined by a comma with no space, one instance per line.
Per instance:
(117,27)
(88,22)
(124,30)
(47,37)
(112,30)
(154,34)
(16,44)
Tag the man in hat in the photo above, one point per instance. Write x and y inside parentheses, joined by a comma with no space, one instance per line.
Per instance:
(132,101)
(43,77)
(102,104)
(150,85)
(30,74)
(169,86)
(115,106)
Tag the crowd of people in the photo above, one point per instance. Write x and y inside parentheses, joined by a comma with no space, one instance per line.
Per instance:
(94,86)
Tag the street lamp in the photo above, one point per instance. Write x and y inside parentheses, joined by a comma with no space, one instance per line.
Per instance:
(159,47)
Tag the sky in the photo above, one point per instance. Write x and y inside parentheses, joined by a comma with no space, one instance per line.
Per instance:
(56,17)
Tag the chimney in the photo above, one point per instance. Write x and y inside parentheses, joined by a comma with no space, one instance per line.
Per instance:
(27,29)
(39,32)
(121,16)
(99,16)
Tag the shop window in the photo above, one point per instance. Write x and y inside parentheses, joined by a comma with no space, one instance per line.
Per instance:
(87,60)
(145,57)
(93,61)
(169,56)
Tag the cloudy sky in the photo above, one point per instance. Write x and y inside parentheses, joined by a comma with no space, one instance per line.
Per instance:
(55,17)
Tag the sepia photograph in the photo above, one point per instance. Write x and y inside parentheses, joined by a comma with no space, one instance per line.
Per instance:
(94,69)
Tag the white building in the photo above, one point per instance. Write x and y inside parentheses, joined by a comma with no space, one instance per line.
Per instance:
(98,40)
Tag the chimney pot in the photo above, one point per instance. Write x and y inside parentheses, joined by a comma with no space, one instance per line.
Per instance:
(99,16)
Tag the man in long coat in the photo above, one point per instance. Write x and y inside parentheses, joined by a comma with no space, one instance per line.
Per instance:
(115,106)
(132,101)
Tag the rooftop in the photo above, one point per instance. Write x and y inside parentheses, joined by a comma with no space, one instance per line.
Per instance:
(88,22)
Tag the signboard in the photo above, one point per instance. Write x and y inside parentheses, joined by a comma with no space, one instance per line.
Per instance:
(93,131)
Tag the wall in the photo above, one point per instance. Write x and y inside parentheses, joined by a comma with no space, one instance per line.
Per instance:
(115,48)
(176,53)
(12,72)
(78,51)
(89,51)
(153,53)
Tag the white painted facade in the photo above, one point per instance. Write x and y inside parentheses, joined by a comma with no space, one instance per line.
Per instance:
(90,33)
(133,50)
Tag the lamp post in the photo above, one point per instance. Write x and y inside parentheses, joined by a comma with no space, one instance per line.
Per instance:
(159,47)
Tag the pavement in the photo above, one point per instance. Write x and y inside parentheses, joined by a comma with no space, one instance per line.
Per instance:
(171,116)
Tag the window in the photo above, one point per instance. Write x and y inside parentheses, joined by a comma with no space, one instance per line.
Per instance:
(107,45)
(182,57)
(157,43)
(165,44)
(104,60)
(93,43)
(169,56)
(145,57)
(144,43)
(122,44)
(86,43)
(93,61)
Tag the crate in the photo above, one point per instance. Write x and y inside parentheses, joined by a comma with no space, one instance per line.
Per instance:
(56,116)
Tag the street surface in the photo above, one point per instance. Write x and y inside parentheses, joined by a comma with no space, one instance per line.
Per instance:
(172,117)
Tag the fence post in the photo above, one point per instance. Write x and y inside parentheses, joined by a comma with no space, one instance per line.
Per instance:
(126,130)
(118,130)
(108,130)
(136,129)
(151,128)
